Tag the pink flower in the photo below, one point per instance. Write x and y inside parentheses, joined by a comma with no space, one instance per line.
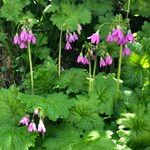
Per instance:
(126,51)
(85,61)
(117,34)
(23,45)
(41,127)
(16,39)
(71,38)
(68,46)
(32,127)
(121,41)
(129,37)
(79,28)
(25,120)
(95,38)
(108,60)
(24,35)
(75,36)
(109,38)
(31,38)
(102,62)
(80,58)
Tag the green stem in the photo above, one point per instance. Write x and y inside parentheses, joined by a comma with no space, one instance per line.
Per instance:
(119,71)
(59,57)
(90,72)
(31,69)
(103,25)
(128,10)
(94,71)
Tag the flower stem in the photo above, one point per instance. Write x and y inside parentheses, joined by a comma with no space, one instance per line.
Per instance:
(90,79)
(31,69)
(119,71)
(94,71)
(59,55)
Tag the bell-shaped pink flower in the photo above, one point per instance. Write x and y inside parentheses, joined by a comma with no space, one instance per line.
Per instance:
(24,35)
(68,46)
(80,58)
(126,51)
(23,45)
(85,61)
(32,127)
(25,120)
(71,38)
(95,38)
(16,39)
(109,38)
(129,37)
(102,62)
(41,127)
(75,36)
(31,38)
(108,60)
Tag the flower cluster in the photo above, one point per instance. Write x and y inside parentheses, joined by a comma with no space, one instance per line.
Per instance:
(70,38)
(31,125)
(95,38)
(82,59)
(117,36)
(105,61)
(24,38)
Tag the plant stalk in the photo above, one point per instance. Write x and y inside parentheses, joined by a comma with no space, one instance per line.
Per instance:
(31,69)
(59,55)
(90,75)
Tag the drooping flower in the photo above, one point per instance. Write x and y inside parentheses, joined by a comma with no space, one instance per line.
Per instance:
(102,62)
(71,38)
(23,45)
(126,51)
(95,38)
(108,60)
(117,34)
(109,38)
(41,127)
(24,35)
(32,127)
(68,46)
(25,120)
(80,58)
(85,61)
(121,41)
(79,28)
(129,37)
(16,39)
(75,36)
(31,38)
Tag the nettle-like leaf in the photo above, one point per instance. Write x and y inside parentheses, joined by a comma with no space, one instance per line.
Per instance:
(12,9)
(84,114)
(145,30)
(69,16)
(44,78)
(66,138)
(73,80)
(54,105)
(11,135)
(105,87)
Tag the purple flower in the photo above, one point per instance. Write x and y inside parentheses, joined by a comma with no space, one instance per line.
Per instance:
(129,37)
(95,38)
(32,127)
(16,39)
(85,61)
(75,36)
(71,38)
(108,60)
(41,127)
(25,120)
(122,41)
(79,28)
(23,45)
(117,34)
(80,58)
(31,38)
(102,62)
(109,38)
(24,35)
(67,37)
(68,46)
(126,51)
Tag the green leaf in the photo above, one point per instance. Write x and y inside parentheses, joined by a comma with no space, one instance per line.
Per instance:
(54,105)
(74,80)
(105,87)
(145,30)
(11,135)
